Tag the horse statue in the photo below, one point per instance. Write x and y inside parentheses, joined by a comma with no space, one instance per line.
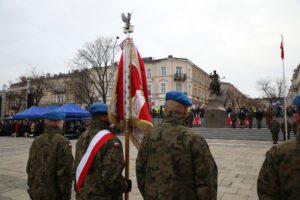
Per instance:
(215,83)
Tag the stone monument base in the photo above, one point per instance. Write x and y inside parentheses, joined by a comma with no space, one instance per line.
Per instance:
(215,113)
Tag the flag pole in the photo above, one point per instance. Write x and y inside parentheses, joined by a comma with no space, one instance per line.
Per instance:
(284,98)
(128,128)
(127,155)
(127,30)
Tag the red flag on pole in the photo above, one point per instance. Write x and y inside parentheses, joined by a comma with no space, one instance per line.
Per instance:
(282,50)
(130,96)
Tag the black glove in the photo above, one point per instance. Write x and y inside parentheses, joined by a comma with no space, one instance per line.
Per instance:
(129,185)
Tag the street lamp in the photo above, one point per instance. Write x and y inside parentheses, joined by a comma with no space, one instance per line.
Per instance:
(113,58)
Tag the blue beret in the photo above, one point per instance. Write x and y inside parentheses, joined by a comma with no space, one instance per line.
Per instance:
(297,101)
(179,97)
(55,115)
(98,108)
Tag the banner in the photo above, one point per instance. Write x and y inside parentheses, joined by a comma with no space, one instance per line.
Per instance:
(130,95)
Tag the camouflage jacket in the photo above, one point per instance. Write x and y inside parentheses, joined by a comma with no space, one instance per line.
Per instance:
(250,116)
(104,179)
(176,163)
(279,175)
(275,126)
(49,166)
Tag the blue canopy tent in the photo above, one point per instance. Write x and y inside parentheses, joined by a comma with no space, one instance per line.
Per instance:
(50,108)
(34,112)
(73,111)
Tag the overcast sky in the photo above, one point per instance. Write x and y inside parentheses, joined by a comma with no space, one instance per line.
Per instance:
(238,38)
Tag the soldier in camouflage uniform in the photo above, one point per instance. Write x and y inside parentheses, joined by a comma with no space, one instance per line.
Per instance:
(173,161)
(269,116)
(104,179)
(250,115)
(289,129)
(233,118)
(50,162)
(279,175)
(275,129)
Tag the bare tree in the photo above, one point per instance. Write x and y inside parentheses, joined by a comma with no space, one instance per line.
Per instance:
(38,85)
(81,86)
(15,100)
(97,57)
(271,88)
(280,87)
(15,96)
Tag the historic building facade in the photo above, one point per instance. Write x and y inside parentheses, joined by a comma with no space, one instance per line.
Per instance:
(179,74)
(234,98)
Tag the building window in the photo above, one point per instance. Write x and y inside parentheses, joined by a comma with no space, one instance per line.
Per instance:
(59,98)
(178,70)
(163,71)
(163,88)
(179,87)
(109,91)
(148,73)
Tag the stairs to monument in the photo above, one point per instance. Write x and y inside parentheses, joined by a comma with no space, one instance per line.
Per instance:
(262,134)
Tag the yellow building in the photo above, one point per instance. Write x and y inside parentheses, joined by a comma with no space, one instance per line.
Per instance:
(179,74)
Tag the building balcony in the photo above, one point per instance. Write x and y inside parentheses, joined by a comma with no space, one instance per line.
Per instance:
(179,77)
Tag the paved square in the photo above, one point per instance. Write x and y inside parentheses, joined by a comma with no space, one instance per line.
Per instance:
(238,163)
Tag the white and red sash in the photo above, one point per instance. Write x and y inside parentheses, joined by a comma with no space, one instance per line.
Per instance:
(95,145)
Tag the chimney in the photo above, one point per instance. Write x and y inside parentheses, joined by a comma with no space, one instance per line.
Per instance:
(147,59)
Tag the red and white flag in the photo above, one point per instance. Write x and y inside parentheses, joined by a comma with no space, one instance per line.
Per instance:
(130,94)
(282,50)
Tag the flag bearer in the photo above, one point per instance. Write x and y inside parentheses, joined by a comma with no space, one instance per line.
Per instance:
(99,160)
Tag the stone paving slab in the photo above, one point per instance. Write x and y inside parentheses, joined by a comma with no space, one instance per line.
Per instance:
(238,163)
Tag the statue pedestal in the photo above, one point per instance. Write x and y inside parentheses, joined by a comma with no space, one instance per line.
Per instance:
(215,113)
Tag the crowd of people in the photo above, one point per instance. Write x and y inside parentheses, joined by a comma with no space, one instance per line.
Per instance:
(244,117)
(21,128)
(26,128)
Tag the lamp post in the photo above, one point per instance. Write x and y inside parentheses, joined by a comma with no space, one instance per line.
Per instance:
(113,58)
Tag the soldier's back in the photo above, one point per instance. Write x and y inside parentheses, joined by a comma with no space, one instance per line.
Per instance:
(44,164)
(279,176)
(94,187)
(275,127)
(170,170)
